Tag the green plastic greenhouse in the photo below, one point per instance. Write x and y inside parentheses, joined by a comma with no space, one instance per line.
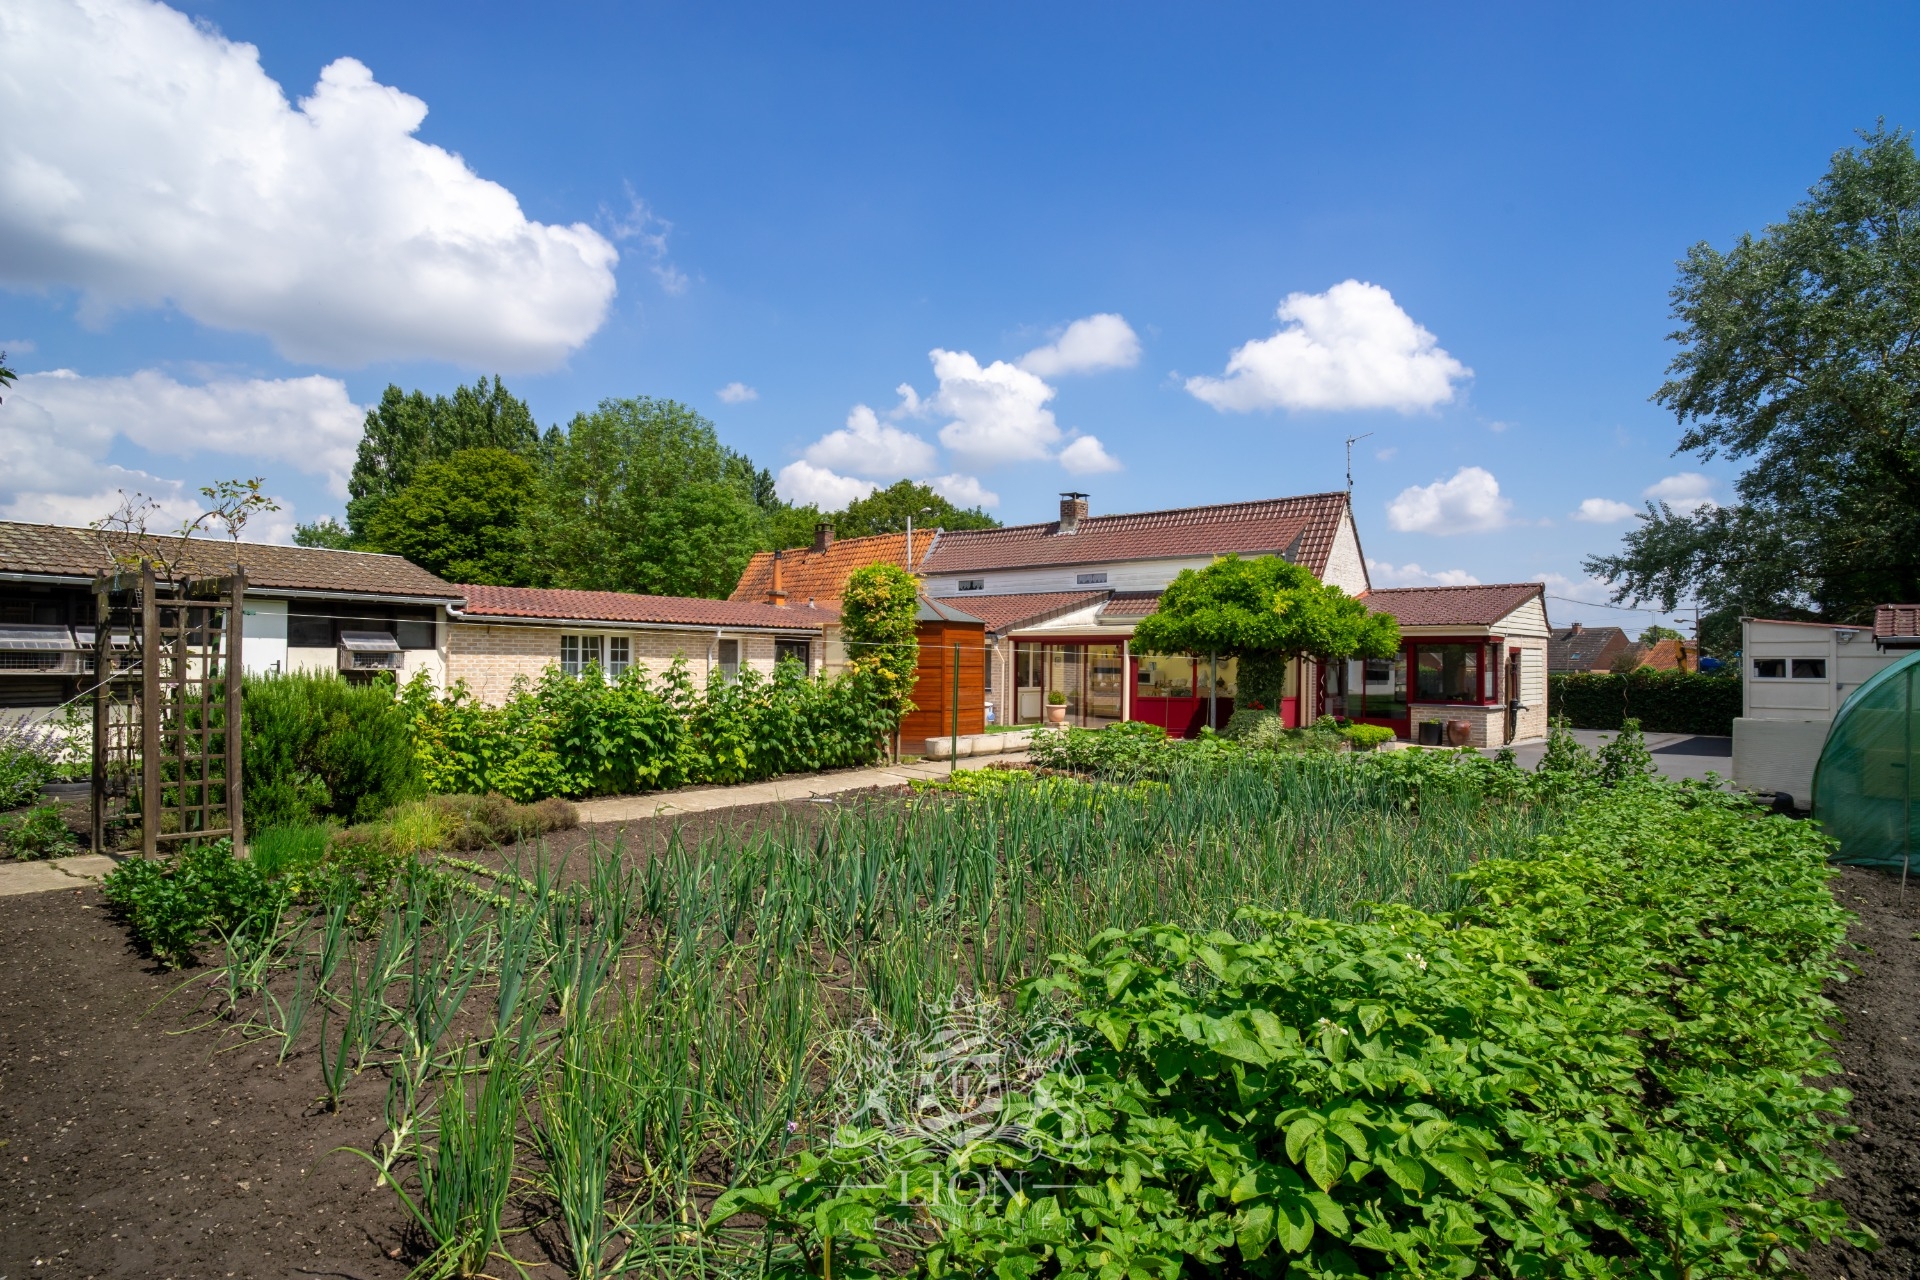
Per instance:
(1864,790)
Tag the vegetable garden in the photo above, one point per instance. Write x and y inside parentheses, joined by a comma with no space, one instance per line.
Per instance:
(1149,1009)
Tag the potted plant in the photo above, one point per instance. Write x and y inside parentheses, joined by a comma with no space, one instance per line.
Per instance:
(1056,707)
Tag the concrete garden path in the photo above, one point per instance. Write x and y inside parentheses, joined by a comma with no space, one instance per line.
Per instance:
(55,873)
(796,786)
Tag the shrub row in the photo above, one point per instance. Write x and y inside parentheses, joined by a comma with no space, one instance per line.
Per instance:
(318,747)
(568,736)
(1603,1068)
(1663,701)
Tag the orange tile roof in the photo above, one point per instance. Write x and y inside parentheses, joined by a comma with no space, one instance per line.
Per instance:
(1301,528)
(1476,606)
(1004,613)
(63,551)
(619,606)
(820,576)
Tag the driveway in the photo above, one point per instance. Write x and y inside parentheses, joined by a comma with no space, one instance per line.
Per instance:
(1676,755)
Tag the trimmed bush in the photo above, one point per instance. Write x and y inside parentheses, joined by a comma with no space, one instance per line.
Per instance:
(319,747)
(1662,701)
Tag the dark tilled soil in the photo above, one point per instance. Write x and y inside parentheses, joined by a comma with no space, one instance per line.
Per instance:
(1880,1057)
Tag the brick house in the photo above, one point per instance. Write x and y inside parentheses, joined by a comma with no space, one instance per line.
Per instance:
(503,633)
(1476,654)
(1584,648)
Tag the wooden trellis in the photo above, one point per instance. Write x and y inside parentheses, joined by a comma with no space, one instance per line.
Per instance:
(166,717)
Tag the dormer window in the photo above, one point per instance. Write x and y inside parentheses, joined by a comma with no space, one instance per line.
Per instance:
(973,584)
(1090,579)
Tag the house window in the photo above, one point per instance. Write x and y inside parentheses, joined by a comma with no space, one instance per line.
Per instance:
(1809,668)
(1383,687)
(619,655)
(730,659)
(973,584)
(1090,579)
(413,634)
(577,653)
(799,651)
(1447,673)
(309,631)
(1770,668)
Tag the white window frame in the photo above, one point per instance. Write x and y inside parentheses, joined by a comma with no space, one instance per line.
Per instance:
(580,650)
(1098,579)
(1786,669)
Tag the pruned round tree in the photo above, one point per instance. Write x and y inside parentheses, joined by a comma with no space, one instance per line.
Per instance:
(877,610)
(1266,612)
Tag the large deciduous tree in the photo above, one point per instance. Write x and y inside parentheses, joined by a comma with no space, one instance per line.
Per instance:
(888,510)
(1266,612)
(1799,355)
(463,517)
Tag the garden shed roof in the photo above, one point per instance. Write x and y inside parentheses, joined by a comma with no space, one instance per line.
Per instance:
(535,603)
(1302,529)
(1475,606)
(53,550)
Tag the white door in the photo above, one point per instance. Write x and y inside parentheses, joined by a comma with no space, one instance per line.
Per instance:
(263,636)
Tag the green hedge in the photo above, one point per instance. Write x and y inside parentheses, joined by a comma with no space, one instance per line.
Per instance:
(319,747)
(1662,701)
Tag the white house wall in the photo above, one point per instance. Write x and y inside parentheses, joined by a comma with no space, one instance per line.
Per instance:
(1346,566)
(1127,575)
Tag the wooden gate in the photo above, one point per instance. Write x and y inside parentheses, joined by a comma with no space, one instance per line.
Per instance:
(166,710)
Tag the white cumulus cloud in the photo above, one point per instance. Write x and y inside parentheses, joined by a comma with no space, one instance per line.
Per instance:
(1686,493)
(964,491)
(1383,574)
(1104,341)
(1087,456)
(803,483)
(737,393)
(148,160)
(1469,501)
(997,414)
(1604,511)
(1351,347)
(867,446)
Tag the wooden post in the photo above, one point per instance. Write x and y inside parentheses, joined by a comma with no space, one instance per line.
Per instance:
(236,672)
(102,708)
(149,713)
(953,754)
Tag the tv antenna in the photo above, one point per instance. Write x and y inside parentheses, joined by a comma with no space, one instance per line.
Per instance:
(1350,444)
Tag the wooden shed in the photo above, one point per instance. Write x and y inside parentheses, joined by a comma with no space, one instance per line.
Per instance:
(949,639)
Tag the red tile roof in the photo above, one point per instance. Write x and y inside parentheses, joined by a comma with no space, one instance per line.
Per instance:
(62,551)
(1301,528)
(1478,606)
(820,576)
(1003,613)
(1900,622)
(1131,605)
(618,606)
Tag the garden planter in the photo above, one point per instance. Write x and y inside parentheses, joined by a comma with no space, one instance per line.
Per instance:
(1056,715)
(1459,732)
(1430,733)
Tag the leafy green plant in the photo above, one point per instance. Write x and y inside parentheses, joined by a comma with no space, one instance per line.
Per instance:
(174,904)
(29,759)
(279,851)
(318,747)
(1624,757)
(40,832)
(877,611)
(1366,737)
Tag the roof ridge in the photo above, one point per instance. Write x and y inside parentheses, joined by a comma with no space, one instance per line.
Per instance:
(1461,586)
(202,538)
(1162,511)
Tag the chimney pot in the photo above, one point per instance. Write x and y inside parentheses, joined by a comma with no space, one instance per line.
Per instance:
(777,594)
(822,536)
(1073,509)
(1578,628)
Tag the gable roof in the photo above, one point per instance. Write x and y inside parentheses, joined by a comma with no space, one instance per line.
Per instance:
(1588,649)
(54,550)
(484,602)
(1302,529)
(1004,613)
(1475,606)
(820,576)
(1897,626)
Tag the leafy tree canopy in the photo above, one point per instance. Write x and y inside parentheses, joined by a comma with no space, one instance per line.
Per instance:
(407,430)
(1655,634)
(640,495)
(1800,354)
(877,612)
(324,532)
(887,511)
(462,517)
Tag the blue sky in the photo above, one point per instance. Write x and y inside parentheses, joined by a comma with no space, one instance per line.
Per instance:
(809,204)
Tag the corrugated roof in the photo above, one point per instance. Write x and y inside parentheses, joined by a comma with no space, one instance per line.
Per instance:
(820,576)
(618,606)
(64,551)
(1476,606)
(1897,623)
(1301,528)
(1003,613)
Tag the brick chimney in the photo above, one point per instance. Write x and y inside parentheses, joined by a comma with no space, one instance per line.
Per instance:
(822,536)
(1578,627)
(777,594)
(1073,509)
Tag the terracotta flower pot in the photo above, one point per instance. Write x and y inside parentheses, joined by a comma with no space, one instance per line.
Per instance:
(1056,713)
(1459,733)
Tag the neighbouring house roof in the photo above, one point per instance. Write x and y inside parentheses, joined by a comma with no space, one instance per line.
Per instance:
(1897,626)
(1475,606)
(1129,606)
(1302,529)
(939,611)
(820,576)
(1585,648)
(540,604)
(1004,613)
(1668,655)
(53,550)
